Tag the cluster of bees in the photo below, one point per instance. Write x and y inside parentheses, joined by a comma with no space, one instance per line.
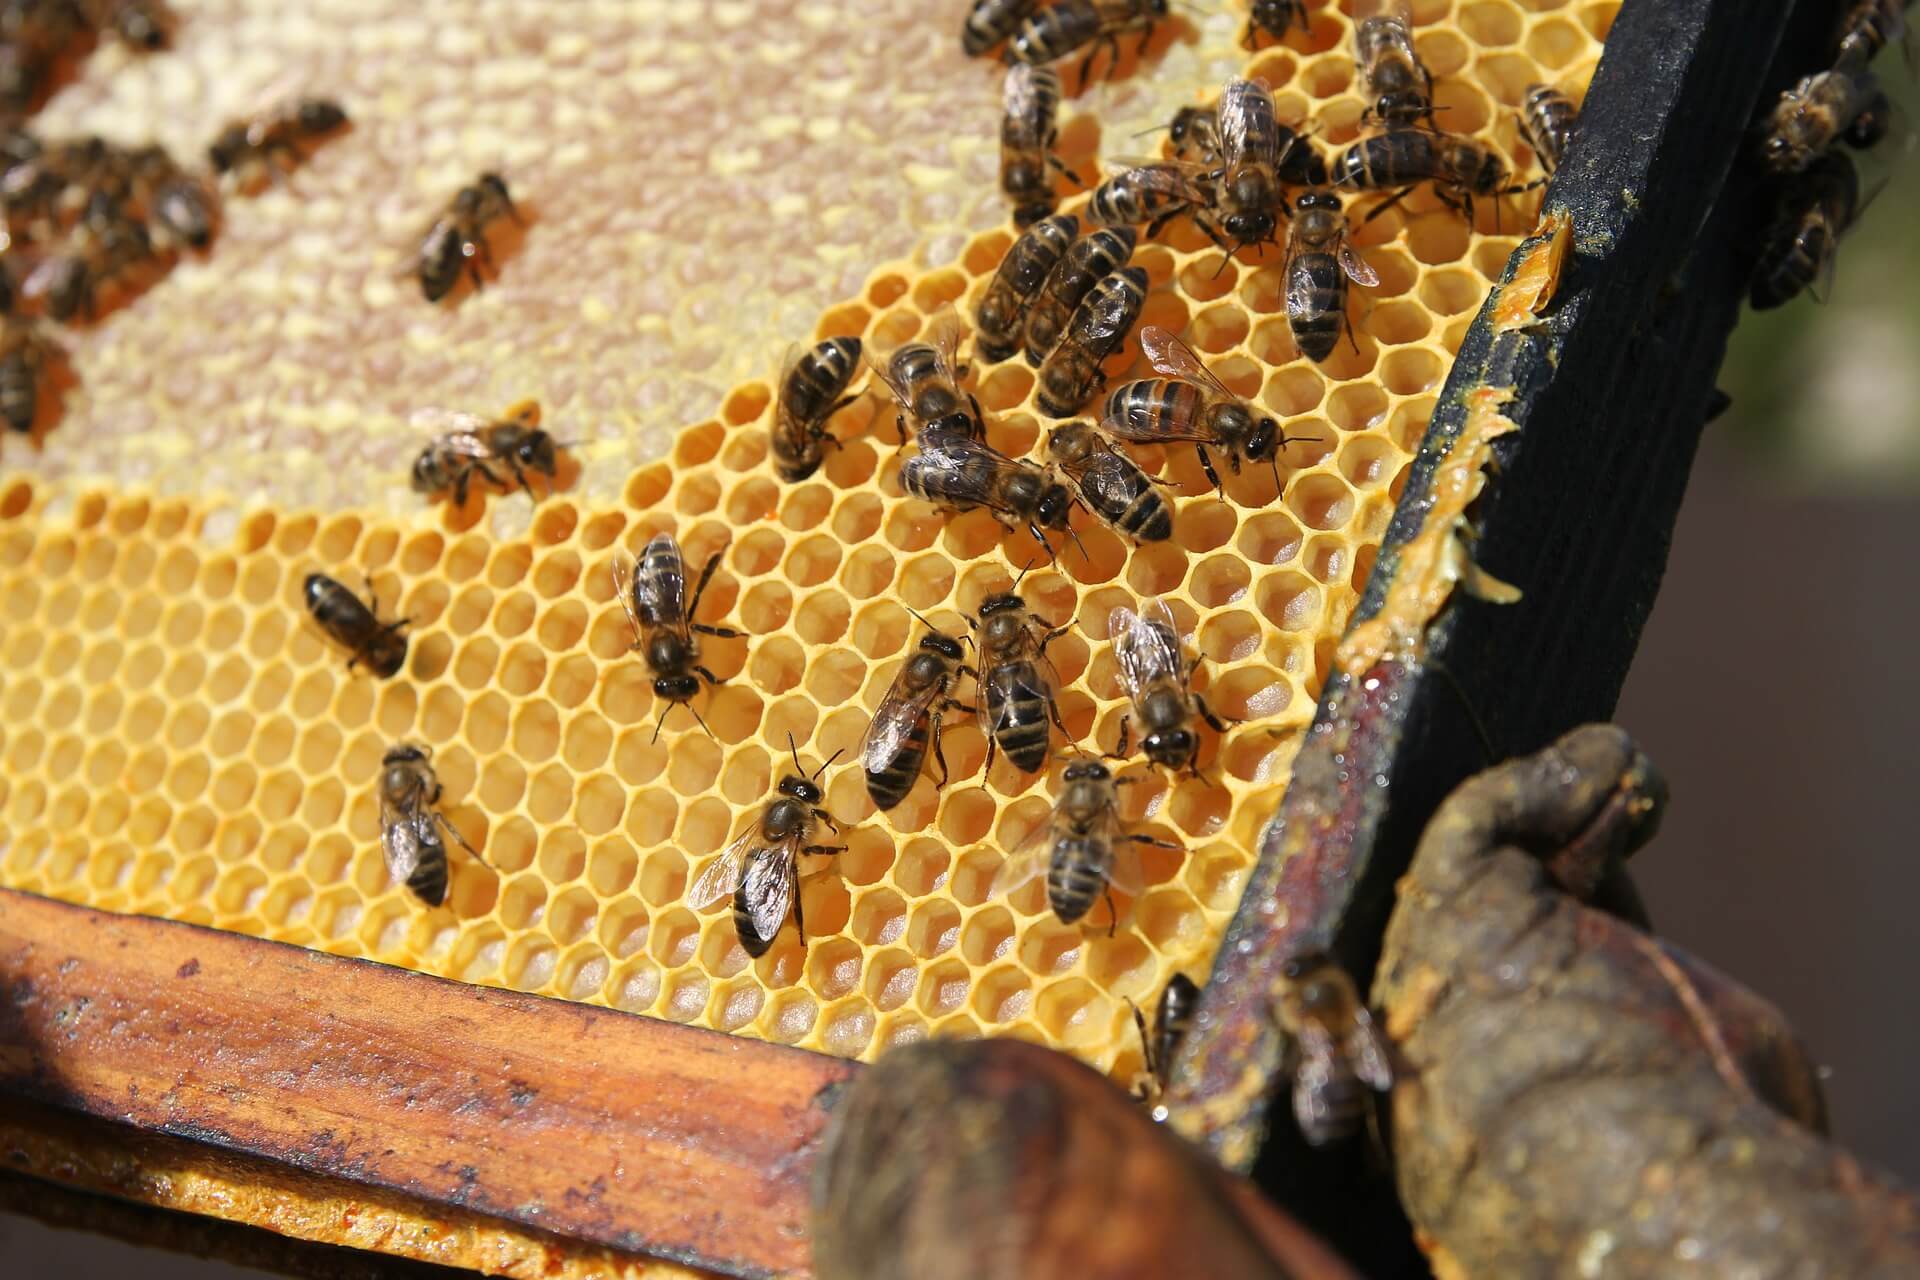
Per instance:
(38,37)
(1819,195)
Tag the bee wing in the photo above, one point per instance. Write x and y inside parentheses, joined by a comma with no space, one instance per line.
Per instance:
(722,875)
(1175,359)
(44,276)
(1354,265)
(404,833)
(1315,1067)
(1300,292)
(1148,651)
(1236,113)
(662,593)
(1367,1050)
(789,361)
(893,724)
(1103,480)
(1020,91)
(443,422)
(1027,861)
(767,889)
(944,335)
(966,480)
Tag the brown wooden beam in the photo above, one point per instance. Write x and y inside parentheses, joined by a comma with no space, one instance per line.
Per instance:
(581,1121)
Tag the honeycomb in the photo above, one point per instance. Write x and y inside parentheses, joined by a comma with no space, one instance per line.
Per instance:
(177,740)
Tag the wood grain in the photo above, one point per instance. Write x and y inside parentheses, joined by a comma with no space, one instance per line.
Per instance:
(590,1123)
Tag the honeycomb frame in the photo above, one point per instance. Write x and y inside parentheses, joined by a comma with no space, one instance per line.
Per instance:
(175,739)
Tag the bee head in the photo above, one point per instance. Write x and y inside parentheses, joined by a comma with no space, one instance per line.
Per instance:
(1055,502)
(1086,770)
(1250,227)
(1172,748)
(425,479)
(403,753)
(799,788)
(1260,441)
(1326,200)
(943,644)
(1184,121)
(1157,8)
(1319,985)
(676,688)
(537,450)
(1070,443)
(317,115)
(224,152)
(1005,602)
(494,185)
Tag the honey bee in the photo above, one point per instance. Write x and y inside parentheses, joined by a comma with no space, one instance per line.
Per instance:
(925,382)
(410,824)
(959,473)
(1153,195)
(109,246)
(991,21)
(1802,245)
(1274,18)
(1869,27)
(138,24)
(1547,120)
(1397,84)
(1032,98)
(1026,266)
(761,868)
(1339,1057)
(1320,261)
(1087,262)
(23,360)
(468,445)
(1190,404)
(457,239)
(1172,1019)
(1016,682)
(356,626)
(811,382)
(1071,373)
(1111,484)
(1195,134)
(275,141)
(1247,194)
(909,717)
(1460,169)
(1159,683)
(662,620)
(1080,847)
(1820,108)
(173,198)
(1062,29)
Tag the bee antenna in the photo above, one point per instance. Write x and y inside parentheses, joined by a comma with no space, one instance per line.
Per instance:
(1278,483)
(1023,573)
(916,613)
(1159,128)
(661,723)
(791,746)
(700,722)
(1084,557)
(829,760)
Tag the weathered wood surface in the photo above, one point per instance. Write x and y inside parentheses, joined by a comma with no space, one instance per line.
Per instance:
(587,1122)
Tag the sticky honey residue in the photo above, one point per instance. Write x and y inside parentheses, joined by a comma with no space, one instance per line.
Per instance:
(1536,274)
(1437,559)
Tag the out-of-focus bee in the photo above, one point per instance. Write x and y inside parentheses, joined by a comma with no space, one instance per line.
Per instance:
(1195,134)
(457,239)
(1339,1057)
(1460,169)
(1071,374)
(1869,27)
(761,868)
(1089,260)
(1803,243)
(908,719)
(1547,120)
(654,594)
(1154,195)
(275,141)
(1190,404)
(1027,134)
(174,199)
(356,625)
(959,473)
(1171,1020)
(23,360)
(1159,683)
(1257,152)
(1111,484)
(1398,86)
(468,445)
(811,382)
(1818,110)
(1320,261)
(1273,18)
(410,824)
(138,24)
(1016,682)
(991,21)
(1063,29)
(925,380)
(1002,314)
(108,246)
(1080,847)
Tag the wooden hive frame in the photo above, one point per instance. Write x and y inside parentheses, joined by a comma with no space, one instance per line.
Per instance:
(101,1011)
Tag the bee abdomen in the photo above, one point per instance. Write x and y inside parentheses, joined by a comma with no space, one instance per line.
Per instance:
(750,942)
(19,392)
(1017,712)
(1345,1101)
(1786,271)
(1054,33)
(1316,326)
(1076,876)
(889,786)
(429,879)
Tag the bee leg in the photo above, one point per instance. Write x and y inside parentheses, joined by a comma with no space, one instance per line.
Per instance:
(799,911)
(1053,162)
(939,758)
(900,426)
(454,831)
(1120,750)
(724,633)
(1385,205)
(1141,1090)
(1113,912)
(1206,713)
(1155,841)
(710,677)
(993,745)
(1206,465)
(700,589)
